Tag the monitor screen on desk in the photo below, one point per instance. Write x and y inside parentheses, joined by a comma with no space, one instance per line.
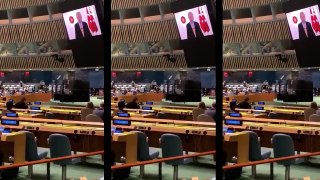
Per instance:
(121,122)
(11,114)
(123,114)
(149,103)
(233,122)
(35,108)
(234,114)
(9,122)
(37,103)
(146,108)
(258,108)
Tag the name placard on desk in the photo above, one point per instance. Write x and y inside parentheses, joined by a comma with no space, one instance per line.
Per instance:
(121,122)
(9,122)
(233,122)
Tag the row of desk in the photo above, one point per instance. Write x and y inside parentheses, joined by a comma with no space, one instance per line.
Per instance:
(84,136)
(195,136)
(305,134)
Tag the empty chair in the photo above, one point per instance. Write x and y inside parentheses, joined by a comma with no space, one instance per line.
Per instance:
(32,153)
(308,112)
(196,112)
(255,151)
(85,112)
(171,146)
(273,115)
(161,115)
(59,147)
(93,118)
(144,153)
(314,118)
(204,118)
(49,115)
(283,146)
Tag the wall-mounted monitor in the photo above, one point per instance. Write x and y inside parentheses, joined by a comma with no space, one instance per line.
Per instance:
(82,23)
(303,19)
(194,23)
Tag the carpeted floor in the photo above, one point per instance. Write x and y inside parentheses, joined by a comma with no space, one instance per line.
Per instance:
(205,170)
(92,168)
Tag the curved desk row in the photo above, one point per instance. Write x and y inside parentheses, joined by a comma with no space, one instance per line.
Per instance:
(143,97)
(32,97)
(84,136)
(256,97)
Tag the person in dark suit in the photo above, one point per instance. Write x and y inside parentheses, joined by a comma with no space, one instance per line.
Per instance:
(305,28)
(81,28)
(244,104)
(21,104)
(133,104)
(193,28)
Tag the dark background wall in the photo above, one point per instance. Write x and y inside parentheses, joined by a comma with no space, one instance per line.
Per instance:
(96,78)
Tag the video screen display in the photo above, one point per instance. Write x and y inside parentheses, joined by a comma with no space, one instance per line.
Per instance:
(82,23)
(194,23)
(303,20)
(304,23)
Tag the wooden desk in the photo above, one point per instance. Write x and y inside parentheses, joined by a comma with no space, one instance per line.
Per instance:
(242,147)
(128,147)
(143,97)
(256,97)
(13,144)
(32,97)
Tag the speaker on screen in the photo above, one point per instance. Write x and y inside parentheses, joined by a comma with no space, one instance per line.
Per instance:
(303,20)
(83,22)
(195,23)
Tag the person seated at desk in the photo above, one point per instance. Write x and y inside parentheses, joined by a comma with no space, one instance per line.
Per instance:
(121,106)
(133,104)
(9,106)
(90,105)
(244,104)
(313,105)
(21,104)
(233,106)
(212,111)
(99,111)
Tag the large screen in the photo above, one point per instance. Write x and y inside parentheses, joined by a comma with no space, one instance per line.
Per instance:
(82,23)
(304,23)
(303,20)
(194,23)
